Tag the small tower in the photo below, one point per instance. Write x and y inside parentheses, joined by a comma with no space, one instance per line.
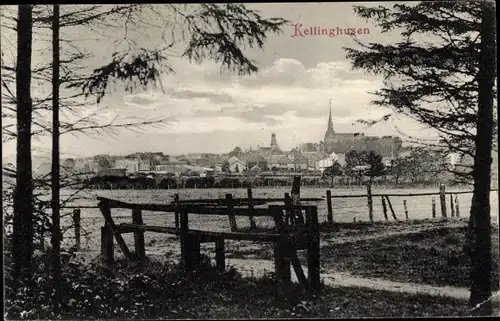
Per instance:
(329,140)
(274,143)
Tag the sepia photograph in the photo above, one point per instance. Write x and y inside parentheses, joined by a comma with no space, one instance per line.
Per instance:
(267,160)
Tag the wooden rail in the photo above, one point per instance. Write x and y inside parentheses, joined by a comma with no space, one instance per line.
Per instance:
(287,239)
(454,204)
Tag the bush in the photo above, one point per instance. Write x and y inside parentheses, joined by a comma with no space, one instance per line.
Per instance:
(121,291)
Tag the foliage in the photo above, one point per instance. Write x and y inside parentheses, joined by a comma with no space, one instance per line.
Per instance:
(103,163)
(375,165)
(225,167)
(425,165)
(93,290)
(435,83)
(364,163)
(333,171)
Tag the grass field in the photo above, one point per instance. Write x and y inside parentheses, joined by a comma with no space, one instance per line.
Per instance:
(344,210)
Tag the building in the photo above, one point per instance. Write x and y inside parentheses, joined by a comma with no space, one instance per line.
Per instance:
(310,147)
(112,172)
(342,143)
(273,149)
(387,161)
(329,160)
(300,162)
(236,165)
(280,162)
(255,170)
(144,166)
(313,158)
(330,137)
(131,165)
(274,144)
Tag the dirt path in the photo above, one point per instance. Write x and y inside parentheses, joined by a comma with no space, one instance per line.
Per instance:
(332,278)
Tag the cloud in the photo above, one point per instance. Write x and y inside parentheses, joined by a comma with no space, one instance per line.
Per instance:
(283,95)
(286,98)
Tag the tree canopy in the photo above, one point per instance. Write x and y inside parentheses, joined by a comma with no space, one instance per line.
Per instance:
(434,81)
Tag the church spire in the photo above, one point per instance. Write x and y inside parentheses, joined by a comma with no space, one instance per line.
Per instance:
(330,122)
(329,140)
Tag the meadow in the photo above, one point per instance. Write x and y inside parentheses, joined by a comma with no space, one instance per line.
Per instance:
(344,209)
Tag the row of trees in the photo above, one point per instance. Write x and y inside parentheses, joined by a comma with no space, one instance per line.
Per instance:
(116,182)
(421,165)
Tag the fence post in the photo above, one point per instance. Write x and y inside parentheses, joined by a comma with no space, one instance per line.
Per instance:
(289,218)
(452,206)
(329,206)
(230,214)
(313,252)
(457,207)
(370,201)
(281,264)
(296,212)
(250,208)
(177,213)
(391,208)
(442,197)
(433,207)
(140,247)
(220,254)
(106,245)
(77,224)
(406,209)
(384,208)
(185,242)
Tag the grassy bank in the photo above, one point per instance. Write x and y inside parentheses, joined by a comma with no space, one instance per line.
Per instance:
(434,257)
(427,252)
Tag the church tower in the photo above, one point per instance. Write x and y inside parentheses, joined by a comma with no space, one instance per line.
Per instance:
(274,143)
(330,133)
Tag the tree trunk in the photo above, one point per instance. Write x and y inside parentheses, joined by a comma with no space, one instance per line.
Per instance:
(22,247)
(481,257)
(56,227)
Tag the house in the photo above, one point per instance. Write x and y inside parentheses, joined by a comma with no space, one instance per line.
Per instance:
(236,165)
(300,162)
(255,170)
(112,172)
(252,158)
(144,166)
(387,161)
(312,158)
(328,161)
(217,167)
(131,165)
(280,162)
(171,165)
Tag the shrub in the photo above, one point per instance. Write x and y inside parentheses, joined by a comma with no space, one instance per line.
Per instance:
(120,291)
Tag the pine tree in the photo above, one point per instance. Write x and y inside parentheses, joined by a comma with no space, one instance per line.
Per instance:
(434,82)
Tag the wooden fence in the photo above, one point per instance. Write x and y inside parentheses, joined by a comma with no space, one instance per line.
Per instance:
(386,202)
(290,234)
(250,202)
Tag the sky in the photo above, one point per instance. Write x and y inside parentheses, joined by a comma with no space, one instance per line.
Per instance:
(210,111)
